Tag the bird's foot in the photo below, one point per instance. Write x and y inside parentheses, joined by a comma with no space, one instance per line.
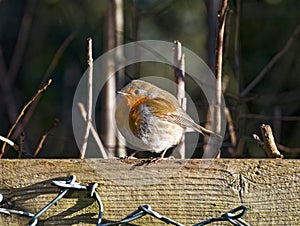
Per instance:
(147,162)
(131,156)
(157,159)
(128,157)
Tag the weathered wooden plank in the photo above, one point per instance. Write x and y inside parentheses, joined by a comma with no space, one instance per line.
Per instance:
(187,191)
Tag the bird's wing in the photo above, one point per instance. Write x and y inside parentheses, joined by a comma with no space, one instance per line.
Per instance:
(175,114)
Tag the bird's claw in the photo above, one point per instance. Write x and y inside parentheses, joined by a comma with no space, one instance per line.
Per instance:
(156,160)
(127,157)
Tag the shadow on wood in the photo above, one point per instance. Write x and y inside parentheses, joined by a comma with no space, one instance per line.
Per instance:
(188,191)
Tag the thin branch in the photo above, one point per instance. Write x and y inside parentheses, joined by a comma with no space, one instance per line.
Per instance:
(268,144)
(240,146)
(230,125)
(3,68)
(58,55)
(216,124)
(288,149)
(9,142)
(237,44)
(88,119)
(94,132)
(7,92)
(279,146)
(219,61)
(179,71)
(50,69)
(109,89)
(271,63)
(257,139)
(231,130)
(265,117)
(21,43)
(40,145)
(179,74)
(120,75)
(21,149)
(23,112)
(277,124)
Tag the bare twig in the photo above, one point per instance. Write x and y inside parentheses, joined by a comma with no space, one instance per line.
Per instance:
(272,62)
(40,145)
(9,142)
(22,39)
(231,131)
(240,146)
(179,72)
(109,89)
(23,112)
(216,127)
(7,92)
(50,69)
(268,143)
(21,149)
(219,61)
(279,146)
(88,118)
(211,21)
(237,49)
(288,149)
(266,117)
(277,124)
(119,23)
(7,78)
(58,55)
(270,146)
(94,132)
(257,139)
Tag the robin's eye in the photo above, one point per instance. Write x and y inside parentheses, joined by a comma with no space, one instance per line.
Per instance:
(137,91)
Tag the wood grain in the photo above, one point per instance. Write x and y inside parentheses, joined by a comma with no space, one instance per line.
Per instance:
(188,191)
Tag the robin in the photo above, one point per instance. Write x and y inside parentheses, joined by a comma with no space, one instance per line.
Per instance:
(151,118)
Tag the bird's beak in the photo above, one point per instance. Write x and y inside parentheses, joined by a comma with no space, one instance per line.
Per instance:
(122,93)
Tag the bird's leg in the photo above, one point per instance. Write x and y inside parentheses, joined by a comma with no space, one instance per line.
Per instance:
(162,155)
(131,156)
(157,159)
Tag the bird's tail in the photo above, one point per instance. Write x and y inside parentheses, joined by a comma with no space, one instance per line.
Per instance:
(205,131)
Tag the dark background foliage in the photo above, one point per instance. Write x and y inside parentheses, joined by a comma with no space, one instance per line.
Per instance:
(265,27)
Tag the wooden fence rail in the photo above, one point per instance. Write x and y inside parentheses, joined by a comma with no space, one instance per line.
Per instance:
(188,191)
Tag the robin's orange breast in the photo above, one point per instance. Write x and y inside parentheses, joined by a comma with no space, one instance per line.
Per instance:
(148,120)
